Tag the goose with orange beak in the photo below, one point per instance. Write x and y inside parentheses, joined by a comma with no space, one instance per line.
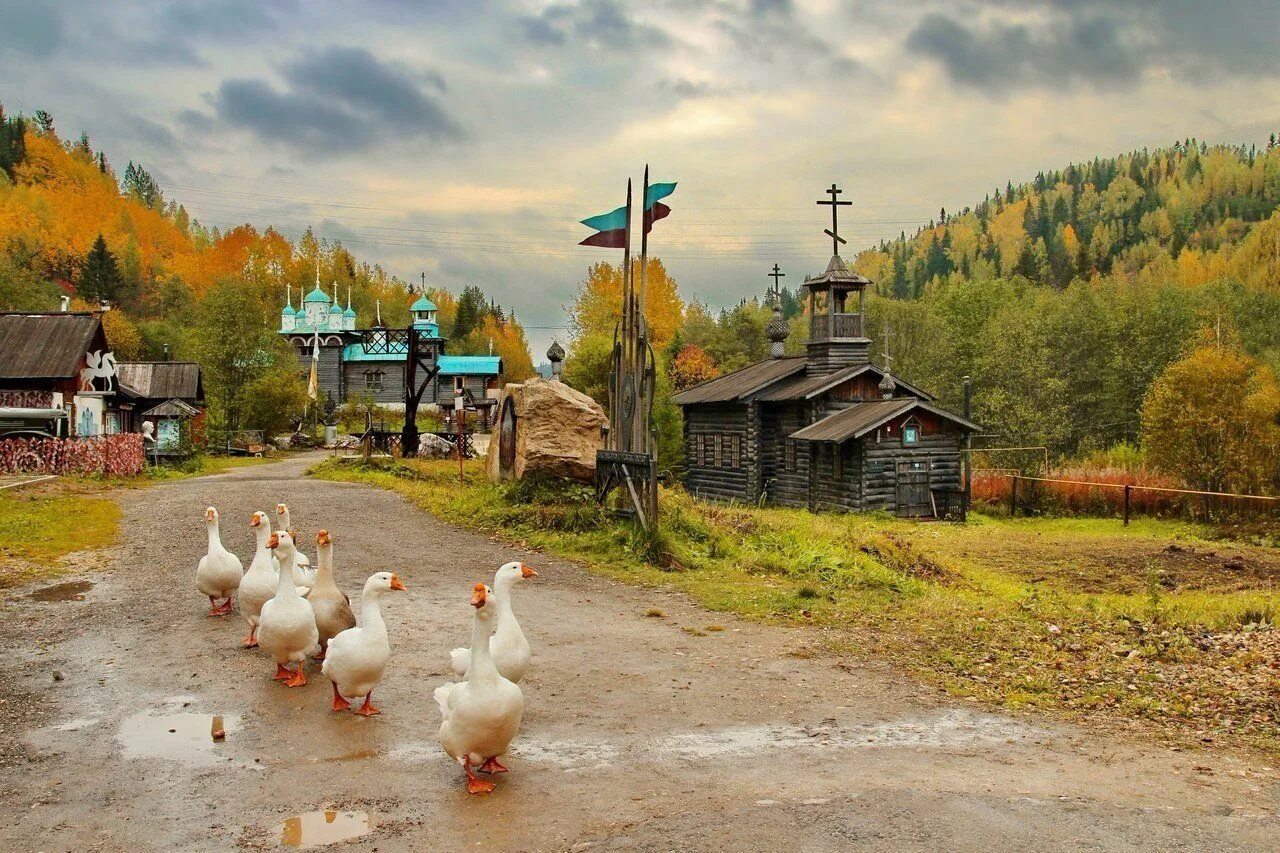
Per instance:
(287,625)
(357,657)
(510,649)
(285,523)
(481,715)
(331,605)
(259,583)
(219,571)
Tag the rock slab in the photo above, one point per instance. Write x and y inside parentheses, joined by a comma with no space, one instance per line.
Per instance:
(557,432)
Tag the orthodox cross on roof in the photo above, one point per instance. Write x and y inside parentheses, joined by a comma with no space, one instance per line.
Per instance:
(777,285)
(834,231)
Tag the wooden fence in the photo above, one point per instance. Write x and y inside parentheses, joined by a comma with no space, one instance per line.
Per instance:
(112,455)
(1126,491)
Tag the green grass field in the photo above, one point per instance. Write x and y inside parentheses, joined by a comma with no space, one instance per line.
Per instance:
(1145,624)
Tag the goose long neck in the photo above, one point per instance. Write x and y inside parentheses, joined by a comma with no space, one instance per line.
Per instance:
(215,540)
(284,586)
(371,613)
(324,563)
(482,666)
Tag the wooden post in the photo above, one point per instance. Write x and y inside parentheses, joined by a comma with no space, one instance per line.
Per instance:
(1013,497)
(458,413)
(1128,490)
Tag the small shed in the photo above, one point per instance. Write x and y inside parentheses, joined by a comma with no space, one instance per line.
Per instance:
(177,425)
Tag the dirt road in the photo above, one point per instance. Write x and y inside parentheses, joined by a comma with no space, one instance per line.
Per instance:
(638,733)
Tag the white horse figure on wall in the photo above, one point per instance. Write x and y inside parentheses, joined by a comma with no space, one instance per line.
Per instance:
(101,365)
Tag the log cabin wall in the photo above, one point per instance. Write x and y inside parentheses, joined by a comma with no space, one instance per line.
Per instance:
(716,450)
(787,464)
(880,464)
(837,484)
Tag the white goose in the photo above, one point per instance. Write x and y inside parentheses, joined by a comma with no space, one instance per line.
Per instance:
(331,605)
(282,519)
(287,626)
(357,657)
(509,648)
(482,714)
(259,583)
(219,572)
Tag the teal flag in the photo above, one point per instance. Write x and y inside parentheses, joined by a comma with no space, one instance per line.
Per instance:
(656,192)
(608,221)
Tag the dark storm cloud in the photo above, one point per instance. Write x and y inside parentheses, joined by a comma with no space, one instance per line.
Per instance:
(337,100)
(1100,43)
(30,29)
(1006,56)
(597,23)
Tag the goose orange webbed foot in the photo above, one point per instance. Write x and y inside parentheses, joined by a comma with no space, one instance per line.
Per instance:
(250,640)
(283,673)
(367,709)
(475,785)
(299,678)
(493,765)
(339,704)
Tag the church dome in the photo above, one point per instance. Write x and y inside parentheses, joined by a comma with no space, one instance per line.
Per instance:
(777,329)
(335,308)
(887,386)
(287,311)
(316,295)
(423,304)
(350,312)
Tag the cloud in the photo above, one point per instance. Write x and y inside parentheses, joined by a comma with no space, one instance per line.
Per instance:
(597,23)
(338,100)
(1000,56)
(1046,44)
(30,29)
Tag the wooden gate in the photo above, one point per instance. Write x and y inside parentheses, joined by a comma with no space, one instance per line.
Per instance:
(913,488)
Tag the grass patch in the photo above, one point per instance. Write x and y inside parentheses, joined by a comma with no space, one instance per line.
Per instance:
(37,529)
(1076,616)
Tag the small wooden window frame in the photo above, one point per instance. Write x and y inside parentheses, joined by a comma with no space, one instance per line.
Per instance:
(911,427)
(789,451)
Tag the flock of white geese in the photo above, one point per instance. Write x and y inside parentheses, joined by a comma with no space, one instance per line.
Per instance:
(295,612)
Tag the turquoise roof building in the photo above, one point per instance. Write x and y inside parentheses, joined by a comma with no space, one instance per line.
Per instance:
(348,370)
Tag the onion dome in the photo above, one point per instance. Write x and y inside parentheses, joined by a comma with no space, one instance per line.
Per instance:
(887,386)
(777,329)
(555,352)
(316,295)
(423,304)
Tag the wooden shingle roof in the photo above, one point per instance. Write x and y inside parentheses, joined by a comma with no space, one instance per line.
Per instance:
(46,346)
(807,387)
(856,421)
(162,379)
(741,383)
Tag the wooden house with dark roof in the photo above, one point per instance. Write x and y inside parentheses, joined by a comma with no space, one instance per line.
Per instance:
(827,430)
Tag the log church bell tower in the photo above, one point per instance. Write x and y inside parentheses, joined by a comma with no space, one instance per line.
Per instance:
(837,307)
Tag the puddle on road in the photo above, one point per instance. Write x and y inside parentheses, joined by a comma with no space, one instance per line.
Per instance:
(188,738)
(315,829)
(69,591)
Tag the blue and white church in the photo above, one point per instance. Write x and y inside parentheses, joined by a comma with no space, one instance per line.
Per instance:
(348,371)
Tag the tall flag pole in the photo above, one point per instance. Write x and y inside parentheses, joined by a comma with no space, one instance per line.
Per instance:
(313,382)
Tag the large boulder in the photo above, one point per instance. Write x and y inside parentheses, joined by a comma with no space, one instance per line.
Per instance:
(545,427)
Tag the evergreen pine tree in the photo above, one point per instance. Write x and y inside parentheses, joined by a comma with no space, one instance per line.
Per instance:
(100,278)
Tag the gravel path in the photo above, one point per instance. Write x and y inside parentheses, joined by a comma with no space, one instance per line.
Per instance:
(637,734)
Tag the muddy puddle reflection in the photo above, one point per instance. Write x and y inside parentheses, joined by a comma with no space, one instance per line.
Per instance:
(69,591)
(188,738)
(315,829)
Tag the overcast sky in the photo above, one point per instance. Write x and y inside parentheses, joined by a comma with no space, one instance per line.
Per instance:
(465,139)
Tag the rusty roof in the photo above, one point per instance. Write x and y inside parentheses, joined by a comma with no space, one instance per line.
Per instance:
(46,346)
(741,383)
(856,421)
(162,379)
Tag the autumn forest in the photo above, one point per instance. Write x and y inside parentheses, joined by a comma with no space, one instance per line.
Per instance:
(1117,310)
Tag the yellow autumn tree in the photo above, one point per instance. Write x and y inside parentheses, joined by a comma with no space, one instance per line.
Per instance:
(1210,419)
